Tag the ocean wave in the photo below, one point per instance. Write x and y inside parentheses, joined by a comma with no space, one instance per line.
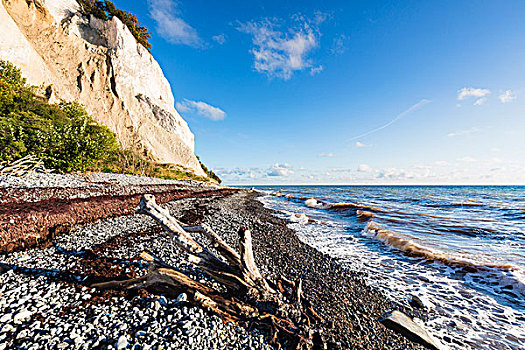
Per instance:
(299,218)
(408,245)
(287,196)
(314,203)
(441,227)
(465,230)
(507,275)
(478,298)
(455,205)
(364,215)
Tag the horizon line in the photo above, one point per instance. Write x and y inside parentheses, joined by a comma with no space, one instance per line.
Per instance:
(375,184)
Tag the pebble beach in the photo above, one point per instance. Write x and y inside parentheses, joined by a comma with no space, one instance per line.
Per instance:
(46,301)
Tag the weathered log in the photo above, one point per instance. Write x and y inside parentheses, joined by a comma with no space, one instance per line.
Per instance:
(249,269)
(250,298)
(206,260)
(222,247)
(23,167)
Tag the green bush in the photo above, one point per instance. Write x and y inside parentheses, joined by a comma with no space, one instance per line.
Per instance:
(105,9)
(209,172)
(63,135)
(66,138)
(96,8)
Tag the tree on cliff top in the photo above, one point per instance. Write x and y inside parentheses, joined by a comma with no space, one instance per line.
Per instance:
(105,9)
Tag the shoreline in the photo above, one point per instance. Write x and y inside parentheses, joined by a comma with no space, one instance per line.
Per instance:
(350,308)
(342,297)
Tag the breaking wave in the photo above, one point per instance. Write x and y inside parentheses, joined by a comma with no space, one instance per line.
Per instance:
(509,276)
(462,247)
(314,203)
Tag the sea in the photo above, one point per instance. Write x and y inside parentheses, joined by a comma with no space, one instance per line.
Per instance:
(460,249)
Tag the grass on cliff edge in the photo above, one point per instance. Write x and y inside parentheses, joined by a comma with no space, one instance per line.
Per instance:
(65,137)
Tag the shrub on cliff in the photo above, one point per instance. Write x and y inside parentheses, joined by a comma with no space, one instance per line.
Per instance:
(63,135)
(96,8)
(105,9)
(209,172)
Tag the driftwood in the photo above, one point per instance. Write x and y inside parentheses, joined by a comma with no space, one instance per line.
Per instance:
(23,167)
(250,299)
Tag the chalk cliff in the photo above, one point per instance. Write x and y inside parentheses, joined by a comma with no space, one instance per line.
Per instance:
(99,64)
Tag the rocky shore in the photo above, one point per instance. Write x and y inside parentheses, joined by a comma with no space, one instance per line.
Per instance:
(46,301)
(33,210)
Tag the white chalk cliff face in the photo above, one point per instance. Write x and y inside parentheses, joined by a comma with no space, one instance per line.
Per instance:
(99,64)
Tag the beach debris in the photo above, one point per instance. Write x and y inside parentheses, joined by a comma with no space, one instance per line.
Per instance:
(24,166)
(403,324)
(250,299)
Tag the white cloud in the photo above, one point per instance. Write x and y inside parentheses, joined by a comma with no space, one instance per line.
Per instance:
(359,144)
(279,53)
(462,132)
(170,25)
(421,166)
(316,70)
(338,45)
(507,96)
(395,174)
(472,92)
(364,168)
(240,172)
(329,155)
(441,163)
(480,101)
(467,159)
(320,17)
(201,108)
(280,170)
(341,170)
(220,39)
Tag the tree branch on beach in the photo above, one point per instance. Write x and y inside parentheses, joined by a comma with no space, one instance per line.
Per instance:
(249,299)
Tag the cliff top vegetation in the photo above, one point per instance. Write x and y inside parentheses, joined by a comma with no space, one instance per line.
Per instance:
(105,9)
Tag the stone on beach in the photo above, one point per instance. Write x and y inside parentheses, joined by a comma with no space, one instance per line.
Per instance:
(421,302)
(22,316)
(399,322)
(122,342)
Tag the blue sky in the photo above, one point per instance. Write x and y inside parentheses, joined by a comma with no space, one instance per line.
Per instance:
(347,92)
